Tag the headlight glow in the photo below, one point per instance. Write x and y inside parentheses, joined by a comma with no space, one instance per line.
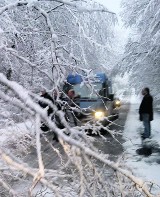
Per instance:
(117,103)
(99,114)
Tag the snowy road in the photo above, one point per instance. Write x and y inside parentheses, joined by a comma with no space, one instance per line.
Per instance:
(111,146)
(143,166)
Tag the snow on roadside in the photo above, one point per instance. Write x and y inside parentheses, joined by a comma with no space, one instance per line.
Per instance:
(145,167)
(16,137)
(16,129)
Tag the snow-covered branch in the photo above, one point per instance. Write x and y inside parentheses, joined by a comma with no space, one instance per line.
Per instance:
(12,5)
(8,188)
(32,65)
(21,167)
(27,100)
(81,8)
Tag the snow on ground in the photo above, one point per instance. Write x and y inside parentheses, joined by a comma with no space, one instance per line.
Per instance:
(16,138)
(147,167)
(14,130)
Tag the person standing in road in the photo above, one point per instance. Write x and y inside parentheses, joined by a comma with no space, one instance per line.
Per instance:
(146,112)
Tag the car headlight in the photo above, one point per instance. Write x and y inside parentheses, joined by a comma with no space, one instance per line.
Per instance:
(99,114)
(117,103)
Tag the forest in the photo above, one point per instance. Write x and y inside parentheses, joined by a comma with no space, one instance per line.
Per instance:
(41,42)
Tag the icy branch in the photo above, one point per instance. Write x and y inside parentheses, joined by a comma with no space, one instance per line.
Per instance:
(82,8)
(32,65)
(21,167)
(11,6)
(8,188)
(26,99)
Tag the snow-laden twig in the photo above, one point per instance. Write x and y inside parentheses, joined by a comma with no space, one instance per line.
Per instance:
(15,102)
(82,8)
(8,188)
(120,184)
(101,180)
(60,5)
(40,174)
(82,32)
(12,5)
(26,99)
(32,65)
(59,75)
(38,144)
(53,148)
(29,171)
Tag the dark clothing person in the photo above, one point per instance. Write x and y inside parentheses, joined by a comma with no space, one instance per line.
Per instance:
(146,106)
(58,102)
(69,113)
(146,112)
(44,104)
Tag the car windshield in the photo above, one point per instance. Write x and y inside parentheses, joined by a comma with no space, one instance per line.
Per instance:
(86,91)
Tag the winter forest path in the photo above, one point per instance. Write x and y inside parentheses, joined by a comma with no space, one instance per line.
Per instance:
(146,167)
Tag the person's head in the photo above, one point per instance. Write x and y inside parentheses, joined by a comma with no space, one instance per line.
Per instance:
(145,91)
(71,93)
(43,91)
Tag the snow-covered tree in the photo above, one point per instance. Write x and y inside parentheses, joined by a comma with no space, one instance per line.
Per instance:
(40,43)
(141,57)
(43,39)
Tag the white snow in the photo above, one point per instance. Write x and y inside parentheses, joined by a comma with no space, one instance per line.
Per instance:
(145,167)
(15,130)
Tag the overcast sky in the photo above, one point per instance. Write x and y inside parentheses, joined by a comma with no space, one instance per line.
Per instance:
(112,5)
